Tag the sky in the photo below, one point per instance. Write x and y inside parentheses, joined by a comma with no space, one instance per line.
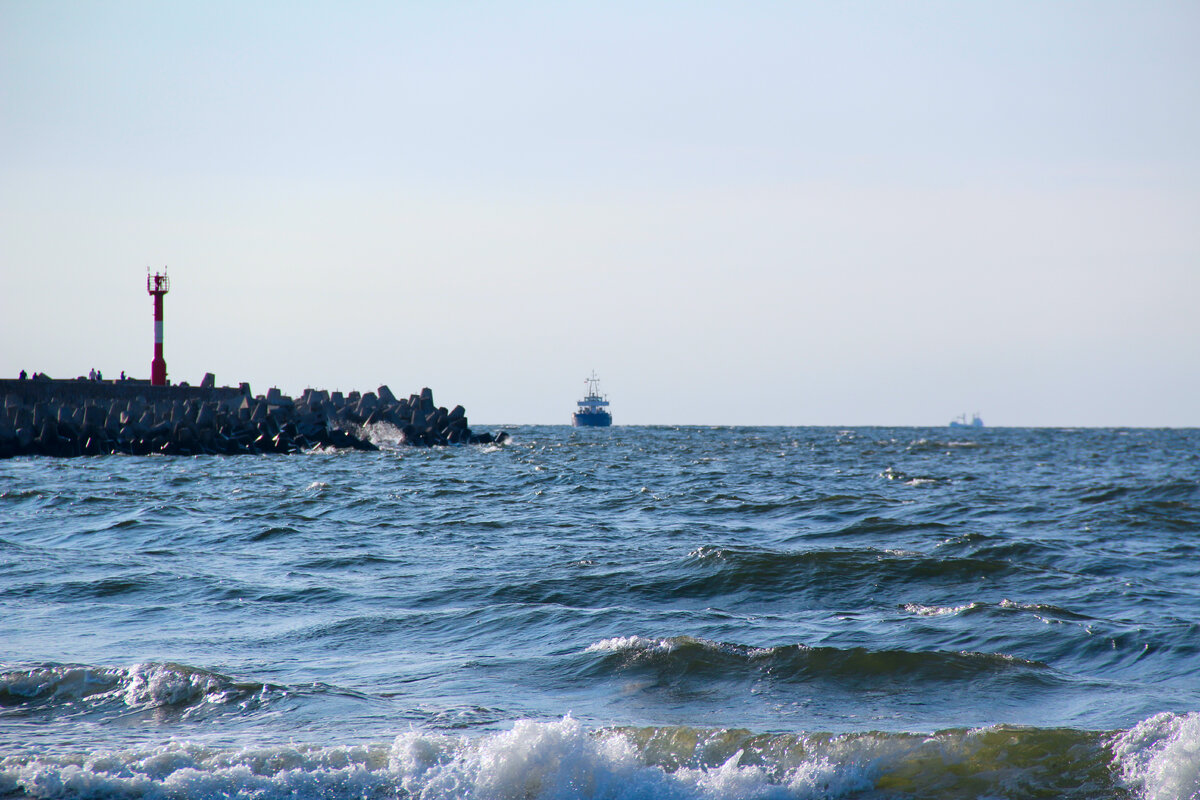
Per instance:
(768,213)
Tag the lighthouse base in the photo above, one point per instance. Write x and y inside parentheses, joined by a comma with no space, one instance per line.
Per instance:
(158,372)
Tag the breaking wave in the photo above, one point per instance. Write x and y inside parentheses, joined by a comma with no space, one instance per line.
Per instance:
(74,689)
(564,759)
(1160,757)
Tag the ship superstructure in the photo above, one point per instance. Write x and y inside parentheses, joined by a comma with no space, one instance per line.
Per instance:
(592,411)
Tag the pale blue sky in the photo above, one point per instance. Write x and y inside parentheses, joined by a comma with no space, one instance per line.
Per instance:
(770,213)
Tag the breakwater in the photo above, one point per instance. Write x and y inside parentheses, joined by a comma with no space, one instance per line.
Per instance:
(85,417)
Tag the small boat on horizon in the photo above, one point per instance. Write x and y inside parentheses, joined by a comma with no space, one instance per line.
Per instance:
(961,421)
(592,411)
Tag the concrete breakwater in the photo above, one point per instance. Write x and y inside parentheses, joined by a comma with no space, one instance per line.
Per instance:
(81,417)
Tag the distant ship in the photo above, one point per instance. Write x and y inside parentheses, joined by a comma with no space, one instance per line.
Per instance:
(961,422)
(593,408)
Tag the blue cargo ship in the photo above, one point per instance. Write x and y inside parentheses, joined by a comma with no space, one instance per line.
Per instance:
(593,408)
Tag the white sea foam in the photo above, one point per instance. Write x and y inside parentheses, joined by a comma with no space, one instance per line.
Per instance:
(561,760)
(921,482)
(1160,757)
(381,434)
(191,771)
(731,779)
(141,686)
(936,611)
(533,761)
(624,644)
(65,683)
(153,685)
(823,778)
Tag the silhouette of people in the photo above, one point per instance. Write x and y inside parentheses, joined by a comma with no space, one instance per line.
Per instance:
(92,375)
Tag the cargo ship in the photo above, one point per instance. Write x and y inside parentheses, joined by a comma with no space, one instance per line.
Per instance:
(593,408)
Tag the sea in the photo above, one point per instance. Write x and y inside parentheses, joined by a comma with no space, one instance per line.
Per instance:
(632,612)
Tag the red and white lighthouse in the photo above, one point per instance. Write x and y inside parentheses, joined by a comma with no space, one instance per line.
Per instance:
(157,285)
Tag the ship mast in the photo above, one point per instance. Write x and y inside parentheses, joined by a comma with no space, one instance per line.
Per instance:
(593,386)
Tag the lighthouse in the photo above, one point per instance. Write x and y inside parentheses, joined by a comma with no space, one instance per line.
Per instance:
(157,285)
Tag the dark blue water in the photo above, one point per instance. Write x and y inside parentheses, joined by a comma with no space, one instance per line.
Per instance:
(616,613)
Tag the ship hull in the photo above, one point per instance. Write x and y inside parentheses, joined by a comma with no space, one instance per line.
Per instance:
(600,419)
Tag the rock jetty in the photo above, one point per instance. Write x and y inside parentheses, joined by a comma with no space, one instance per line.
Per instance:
(86,417)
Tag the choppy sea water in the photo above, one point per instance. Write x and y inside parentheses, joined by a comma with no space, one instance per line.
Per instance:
(621,613)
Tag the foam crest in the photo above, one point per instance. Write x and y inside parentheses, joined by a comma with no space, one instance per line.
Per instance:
(822,778)
(140,687)
(183,770)
(731,779)
(1160,756)
(627,644)
(153,685)
(563,760)
(697,659)
(533,761)
(937,611)
(55,683)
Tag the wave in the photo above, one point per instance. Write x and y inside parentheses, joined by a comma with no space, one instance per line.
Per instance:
(723,570)
(1043,611)
(563,760)
(76,689)
(700,658)
(1177,491)
(1161,756)
(938,445)
(741,572)
(1172,506)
